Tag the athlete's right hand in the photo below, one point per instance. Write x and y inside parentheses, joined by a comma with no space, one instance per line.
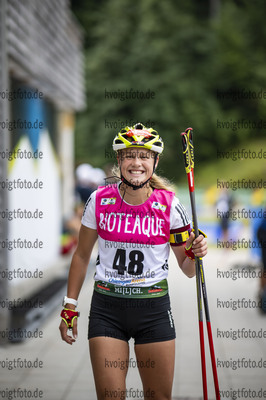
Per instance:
(64,329)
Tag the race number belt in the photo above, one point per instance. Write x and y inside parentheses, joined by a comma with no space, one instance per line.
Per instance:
(157,290)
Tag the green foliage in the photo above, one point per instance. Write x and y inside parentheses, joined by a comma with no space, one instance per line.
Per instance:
(236,163)
(193,65)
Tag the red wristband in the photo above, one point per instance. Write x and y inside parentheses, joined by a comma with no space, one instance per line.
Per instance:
(189,253)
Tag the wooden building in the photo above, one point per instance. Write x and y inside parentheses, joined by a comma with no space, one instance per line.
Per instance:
(41,89)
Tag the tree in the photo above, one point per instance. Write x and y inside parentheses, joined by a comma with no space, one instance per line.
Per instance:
(191,63)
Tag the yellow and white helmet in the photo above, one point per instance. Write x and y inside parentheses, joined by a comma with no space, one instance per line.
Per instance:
(138,136)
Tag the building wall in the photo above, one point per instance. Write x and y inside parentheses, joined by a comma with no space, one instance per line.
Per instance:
(40,53)
(4,143)
(45,50)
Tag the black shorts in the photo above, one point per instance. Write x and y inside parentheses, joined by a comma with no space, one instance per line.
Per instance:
(146,320)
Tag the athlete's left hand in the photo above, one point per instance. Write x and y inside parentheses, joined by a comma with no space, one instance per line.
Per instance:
(199,245)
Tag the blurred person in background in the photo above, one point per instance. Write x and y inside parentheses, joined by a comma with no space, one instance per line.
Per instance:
(84,182)
(224,205)
(87,180)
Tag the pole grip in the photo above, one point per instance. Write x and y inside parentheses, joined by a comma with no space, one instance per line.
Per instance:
(188,153)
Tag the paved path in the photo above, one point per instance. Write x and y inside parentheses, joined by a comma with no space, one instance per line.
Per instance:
(66,372)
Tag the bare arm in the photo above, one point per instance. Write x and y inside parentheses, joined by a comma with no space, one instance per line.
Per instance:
(80,261)
(199,248)
(77,273)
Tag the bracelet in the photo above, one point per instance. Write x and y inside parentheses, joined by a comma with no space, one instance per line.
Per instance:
(189,253)
(68,300)
(68,316)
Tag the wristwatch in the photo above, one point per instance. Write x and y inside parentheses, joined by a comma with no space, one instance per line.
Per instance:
(68,300)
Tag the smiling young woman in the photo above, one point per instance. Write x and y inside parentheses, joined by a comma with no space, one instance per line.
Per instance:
(136,167)
(136,222)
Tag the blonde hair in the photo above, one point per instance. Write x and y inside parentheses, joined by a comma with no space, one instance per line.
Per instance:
(160,182)
(157,182)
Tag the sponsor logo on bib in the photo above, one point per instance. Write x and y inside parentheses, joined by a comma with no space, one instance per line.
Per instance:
(108,200)
(158,206)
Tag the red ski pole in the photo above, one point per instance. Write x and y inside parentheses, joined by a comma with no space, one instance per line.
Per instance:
(188,152)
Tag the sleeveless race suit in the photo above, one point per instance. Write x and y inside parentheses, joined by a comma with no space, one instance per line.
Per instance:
(133,240)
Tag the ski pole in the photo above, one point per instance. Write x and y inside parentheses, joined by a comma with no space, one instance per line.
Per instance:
(188,152)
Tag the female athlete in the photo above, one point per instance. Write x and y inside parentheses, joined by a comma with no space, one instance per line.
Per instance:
(136,222)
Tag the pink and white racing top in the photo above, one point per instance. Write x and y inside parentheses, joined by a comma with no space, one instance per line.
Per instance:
(133,240)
